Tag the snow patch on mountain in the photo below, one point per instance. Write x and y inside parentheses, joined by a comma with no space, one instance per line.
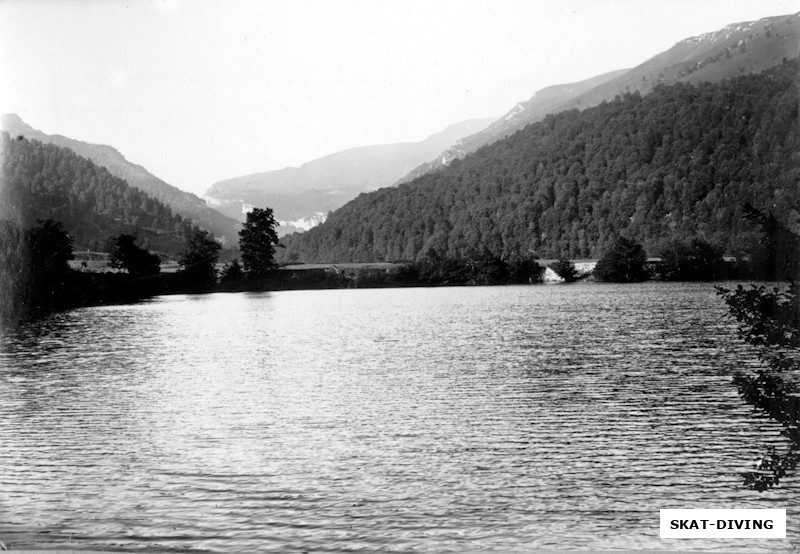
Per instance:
(723,34)
(305,223)
(515,111)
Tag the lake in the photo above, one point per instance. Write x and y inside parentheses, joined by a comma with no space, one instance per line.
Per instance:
(509,418)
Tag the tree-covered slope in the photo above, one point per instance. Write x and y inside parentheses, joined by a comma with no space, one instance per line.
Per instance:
(545,101)
(188,205)
(737,49)
(678,162)
(44,181)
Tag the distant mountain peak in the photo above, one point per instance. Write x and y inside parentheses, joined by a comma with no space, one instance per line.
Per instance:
(13,122)
(298,195)
(735,28)
(722,34)
(746,47)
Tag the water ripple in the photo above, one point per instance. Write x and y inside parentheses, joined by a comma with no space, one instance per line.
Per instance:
(507,418)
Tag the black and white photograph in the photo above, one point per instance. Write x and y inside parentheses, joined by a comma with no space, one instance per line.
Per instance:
(399,276)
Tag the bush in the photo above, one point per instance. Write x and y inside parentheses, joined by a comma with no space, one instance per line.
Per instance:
(524,269)
(769,320)
(777,258)
(623,263)
(198,261)
(691,260)
(565,269)
(34,272)
(138,262)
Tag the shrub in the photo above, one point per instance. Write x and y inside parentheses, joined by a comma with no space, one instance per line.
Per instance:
(623,263)
(565,269)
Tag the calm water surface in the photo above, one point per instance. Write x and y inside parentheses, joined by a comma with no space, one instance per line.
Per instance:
(508,418)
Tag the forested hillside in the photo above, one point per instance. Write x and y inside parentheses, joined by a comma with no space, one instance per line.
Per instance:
(43,181)
(188,205)
(545,101)
(737,49)
(679,162)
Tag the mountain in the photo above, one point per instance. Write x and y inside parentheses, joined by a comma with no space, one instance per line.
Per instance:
(543,102)
(738,49)
(188,205)
(312,190)
(679,162)
(44,181)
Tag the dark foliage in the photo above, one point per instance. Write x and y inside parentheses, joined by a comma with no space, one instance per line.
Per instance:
(49,249)
(623,263)
(257,242)
(43,181)
(674,164)
(14,272)
(565,269)
(35,278)
(524,269)
(34,272)
(138,262)
(198,261)
(779,259)
(478,268)
(691,260)
(769,320)
(232,276)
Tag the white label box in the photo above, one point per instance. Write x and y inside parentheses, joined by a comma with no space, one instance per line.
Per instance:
(723,524)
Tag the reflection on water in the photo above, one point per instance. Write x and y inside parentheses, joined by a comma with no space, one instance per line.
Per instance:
(397,419)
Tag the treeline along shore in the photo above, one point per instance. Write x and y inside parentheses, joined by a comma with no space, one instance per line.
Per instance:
(702,178)
(36,277)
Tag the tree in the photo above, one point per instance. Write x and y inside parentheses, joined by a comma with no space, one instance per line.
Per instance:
(484,268)
(565,269)
(524,269)
(257,241)
(14,272)
(778,258)
(49,249)
(138,262)
(769,320)
(199,258)
(623,263)
(434,268)
(34,272)
(691,260)
(232,274)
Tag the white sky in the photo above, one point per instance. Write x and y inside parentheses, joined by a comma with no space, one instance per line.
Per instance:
(199,91)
